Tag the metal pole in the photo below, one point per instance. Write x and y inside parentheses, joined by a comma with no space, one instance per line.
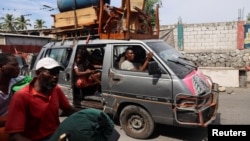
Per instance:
(75,17)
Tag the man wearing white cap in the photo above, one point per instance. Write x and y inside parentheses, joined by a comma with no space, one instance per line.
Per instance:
(33,111)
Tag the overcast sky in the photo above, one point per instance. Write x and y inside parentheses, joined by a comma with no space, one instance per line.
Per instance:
(189,11)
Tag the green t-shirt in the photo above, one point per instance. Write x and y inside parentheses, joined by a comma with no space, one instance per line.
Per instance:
(21,83)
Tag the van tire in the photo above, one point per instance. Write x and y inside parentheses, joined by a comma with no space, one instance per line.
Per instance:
(136,122)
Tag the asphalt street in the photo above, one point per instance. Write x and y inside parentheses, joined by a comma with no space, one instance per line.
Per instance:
(233,110)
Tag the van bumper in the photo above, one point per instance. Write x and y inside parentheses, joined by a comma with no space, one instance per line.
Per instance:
(200,110)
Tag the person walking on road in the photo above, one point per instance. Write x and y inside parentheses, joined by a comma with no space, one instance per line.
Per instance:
(9,75)
(33,111)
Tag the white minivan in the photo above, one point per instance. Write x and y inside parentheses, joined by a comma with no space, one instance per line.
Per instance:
(171,91)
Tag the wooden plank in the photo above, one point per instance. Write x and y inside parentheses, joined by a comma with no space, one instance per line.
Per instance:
(143,36)
(126,36)
(119,36)
(84,16)
(138,3)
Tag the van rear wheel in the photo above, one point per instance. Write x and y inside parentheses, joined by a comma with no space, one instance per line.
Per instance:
(136,122)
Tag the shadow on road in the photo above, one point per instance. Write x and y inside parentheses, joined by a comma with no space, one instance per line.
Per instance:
(218,119)
(180,133)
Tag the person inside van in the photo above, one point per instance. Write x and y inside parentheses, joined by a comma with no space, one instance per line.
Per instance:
(128,63)
(86,73)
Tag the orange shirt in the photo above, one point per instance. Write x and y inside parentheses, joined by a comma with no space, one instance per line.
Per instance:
(34,114)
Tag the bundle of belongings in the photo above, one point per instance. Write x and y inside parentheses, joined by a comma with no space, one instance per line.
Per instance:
(86,125)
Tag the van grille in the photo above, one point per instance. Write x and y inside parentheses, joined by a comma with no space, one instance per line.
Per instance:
(192,117)
(200,86)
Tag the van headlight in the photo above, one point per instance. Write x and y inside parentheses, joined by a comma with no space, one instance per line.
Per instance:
(192,102)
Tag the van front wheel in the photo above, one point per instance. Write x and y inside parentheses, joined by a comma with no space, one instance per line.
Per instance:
(136,122)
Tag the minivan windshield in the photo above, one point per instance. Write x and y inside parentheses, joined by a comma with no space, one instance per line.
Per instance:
(172,58)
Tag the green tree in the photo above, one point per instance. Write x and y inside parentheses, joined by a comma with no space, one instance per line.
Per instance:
(22,23)
(150,8)
(9,23)
(248,17)
(39,24)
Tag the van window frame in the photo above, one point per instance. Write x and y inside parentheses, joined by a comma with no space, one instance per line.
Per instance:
(115,56)
(62,57)
(123,47)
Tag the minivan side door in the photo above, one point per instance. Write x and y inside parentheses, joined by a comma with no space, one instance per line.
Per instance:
(153,92)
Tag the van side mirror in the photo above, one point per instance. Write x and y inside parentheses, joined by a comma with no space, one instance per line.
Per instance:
(153,68)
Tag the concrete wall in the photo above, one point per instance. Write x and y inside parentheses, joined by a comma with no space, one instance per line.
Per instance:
(237,59)
(227,68)
(224,76)
(217,49)
(207,36)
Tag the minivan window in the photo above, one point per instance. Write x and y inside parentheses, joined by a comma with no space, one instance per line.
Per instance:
(61,55)
(172,58)
(24,67)
(119,55)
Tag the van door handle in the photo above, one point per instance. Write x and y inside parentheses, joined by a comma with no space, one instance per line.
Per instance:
(116,79)
(66,77)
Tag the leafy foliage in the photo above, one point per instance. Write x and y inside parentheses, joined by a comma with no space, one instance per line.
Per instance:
(22,23)
(150,8)
(248,17)
(9,23)
(39,24)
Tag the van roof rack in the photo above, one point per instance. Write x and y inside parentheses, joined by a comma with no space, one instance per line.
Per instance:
(109,22)
(79,33)
(90,36)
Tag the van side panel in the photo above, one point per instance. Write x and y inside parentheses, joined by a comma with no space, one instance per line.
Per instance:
(107,64)
(121,88)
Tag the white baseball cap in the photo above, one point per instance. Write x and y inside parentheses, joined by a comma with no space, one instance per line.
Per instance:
(48,63)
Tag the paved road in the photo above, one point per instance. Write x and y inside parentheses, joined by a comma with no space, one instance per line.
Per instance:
(234,107)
